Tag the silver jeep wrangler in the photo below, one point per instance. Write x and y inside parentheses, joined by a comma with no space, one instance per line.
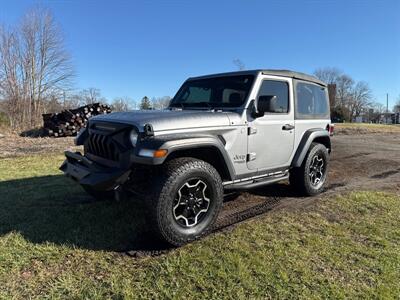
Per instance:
(230,131)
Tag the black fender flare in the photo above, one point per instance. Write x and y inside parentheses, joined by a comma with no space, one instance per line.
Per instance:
(176,142)
(311,135)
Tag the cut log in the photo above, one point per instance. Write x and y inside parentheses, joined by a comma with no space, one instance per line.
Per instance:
(69,122)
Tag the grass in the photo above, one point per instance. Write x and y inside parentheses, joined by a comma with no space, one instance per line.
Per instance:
(363,128)
(57,243)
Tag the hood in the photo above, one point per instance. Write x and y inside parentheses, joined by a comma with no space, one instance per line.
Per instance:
(168,120)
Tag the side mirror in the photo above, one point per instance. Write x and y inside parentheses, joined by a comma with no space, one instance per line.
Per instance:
(265,104)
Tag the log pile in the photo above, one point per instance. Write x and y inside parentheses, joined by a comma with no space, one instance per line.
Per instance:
(70,121)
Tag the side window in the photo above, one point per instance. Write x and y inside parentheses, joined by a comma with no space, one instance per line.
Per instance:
(311,101)
(280,89)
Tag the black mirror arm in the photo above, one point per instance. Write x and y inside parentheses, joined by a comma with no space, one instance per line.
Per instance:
(258,114)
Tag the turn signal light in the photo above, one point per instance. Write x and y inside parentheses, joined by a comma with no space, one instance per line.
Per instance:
(160,153)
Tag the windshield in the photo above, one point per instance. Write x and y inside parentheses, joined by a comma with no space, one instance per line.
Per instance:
(228,91)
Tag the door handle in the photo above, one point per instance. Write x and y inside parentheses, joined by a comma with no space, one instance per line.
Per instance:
(287,127)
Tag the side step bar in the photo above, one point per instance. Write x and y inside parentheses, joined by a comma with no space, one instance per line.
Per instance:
(245,185)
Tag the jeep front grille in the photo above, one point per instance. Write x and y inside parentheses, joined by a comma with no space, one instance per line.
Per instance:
(103,146)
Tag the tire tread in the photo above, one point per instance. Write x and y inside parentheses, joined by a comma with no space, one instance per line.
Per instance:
(161,191)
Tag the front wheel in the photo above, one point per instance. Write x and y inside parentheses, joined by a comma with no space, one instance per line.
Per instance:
(187,199)
(310,178)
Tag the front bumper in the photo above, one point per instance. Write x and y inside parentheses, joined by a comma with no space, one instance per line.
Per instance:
(89,173)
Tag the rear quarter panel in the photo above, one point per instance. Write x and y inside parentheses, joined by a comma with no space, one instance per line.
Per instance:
(301,126)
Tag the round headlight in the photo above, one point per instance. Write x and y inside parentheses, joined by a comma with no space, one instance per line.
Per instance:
(133,136)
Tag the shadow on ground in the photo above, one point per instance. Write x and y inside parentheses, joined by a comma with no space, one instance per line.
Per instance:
(54,209)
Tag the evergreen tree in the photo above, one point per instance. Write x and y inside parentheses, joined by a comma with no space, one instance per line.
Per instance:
(145,103)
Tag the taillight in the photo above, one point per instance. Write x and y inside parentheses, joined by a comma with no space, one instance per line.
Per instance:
(330,128)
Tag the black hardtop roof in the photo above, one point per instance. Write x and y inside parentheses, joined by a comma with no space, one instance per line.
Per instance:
(283,73)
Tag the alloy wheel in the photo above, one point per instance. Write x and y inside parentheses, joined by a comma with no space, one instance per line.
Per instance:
(191,203)
(317,170)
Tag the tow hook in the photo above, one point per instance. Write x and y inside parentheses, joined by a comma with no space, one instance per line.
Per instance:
(119,193)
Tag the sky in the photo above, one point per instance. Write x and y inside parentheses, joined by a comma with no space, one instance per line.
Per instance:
(138,48)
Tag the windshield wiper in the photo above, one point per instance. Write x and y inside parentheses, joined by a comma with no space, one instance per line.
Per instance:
(177,105)
(202,104)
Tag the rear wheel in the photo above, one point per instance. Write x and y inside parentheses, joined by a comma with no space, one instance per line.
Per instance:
(187,198)
(310,178)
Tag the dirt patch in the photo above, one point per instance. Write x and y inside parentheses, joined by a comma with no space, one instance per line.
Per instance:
(357,155)
(335,185)
(12,145)
(385,174)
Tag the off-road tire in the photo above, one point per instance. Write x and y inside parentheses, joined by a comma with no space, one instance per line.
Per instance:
(299,177)
(166,183)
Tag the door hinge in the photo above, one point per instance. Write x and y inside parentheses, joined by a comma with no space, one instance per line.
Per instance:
(251,156)
(251,130)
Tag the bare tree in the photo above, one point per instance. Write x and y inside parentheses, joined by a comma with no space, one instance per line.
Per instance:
(134,105)
(91,95)
(328,75)
(12,76)
(72,101)
(239,64)
(351,98)
(34,67)
(344,87)
(360,99)
(375,111)
(46,62)
(161,102)
(121,104)
(378,107)
(83,97)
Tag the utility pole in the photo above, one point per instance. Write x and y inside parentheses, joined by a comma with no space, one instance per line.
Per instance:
(387,107)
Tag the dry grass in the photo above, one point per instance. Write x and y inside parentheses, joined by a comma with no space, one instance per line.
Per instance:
(362,128)
(13,145)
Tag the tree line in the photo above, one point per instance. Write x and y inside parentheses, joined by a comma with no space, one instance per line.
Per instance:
(36,74)
(350,98)
(36,77)
(93,95)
